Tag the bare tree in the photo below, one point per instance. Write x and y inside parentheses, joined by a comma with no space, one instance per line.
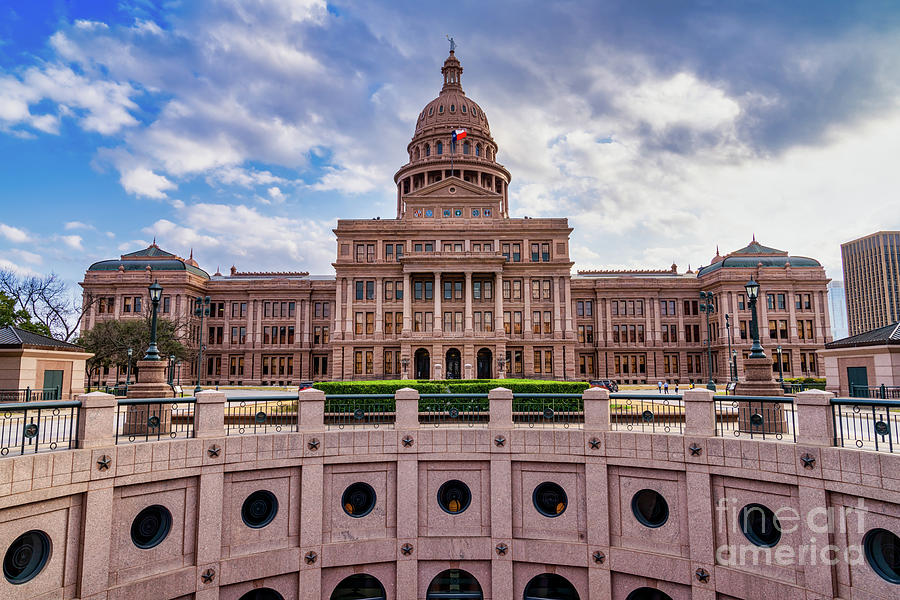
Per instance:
(49,300)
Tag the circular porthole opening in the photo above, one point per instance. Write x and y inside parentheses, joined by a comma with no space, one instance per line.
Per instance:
(760,525)
(259,509)
(26,557)
(358,499)
(454,496)
(550,499)
(262,594)
(882,550)
(151,526)
(650,508)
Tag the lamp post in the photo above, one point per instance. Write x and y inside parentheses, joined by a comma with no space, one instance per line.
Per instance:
(201,310)
(734,363)
(780,366)
(707,306)
(128,373)
(731,372)
(171,369)
(752,289)
(404,362)
(155,294)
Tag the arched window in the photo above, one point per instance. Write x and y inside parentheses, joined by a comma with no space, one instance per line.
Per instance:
(477,149)
(262,594)
(465,147)
(454,583)
(417,154)
(550,586)
(452,108)
(463,108)
(427,149)
(361,586)
(430,111)
(646,593)
(441,109)
(440,148)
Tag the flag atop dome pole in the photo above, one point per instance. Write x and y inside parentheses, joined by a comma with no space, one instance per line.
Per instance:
(458,134)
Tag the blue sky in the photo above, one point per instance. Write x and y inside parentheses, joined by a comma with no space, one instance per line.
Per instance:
(243,130)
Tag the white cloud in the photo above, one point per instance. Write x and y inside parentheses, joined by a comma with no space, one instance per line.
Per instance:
(26,256)
(144,182)
(72,241)
(69,226)
(17,268)
(13,234)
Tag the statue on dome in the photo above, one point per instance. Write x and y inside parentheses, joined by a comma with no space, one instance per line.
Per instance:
(452,43)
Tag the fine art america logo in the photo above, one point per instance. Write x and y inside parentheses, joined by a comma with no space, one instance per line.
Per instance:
(786,537)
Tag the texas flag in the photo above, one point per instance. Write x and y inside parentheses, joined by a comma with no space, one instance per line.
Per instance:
(459,134)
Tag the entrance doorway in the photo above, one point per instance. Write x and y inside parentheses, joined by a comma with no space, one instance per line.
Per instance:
(422,364)
(53,381)
(858,382)
(453,362)
(483,362)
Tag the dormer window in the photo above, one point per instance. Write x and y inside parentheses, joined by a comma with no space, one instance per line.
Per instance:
(440,147)
(477,149)
(427,150)
(465,147)
(463,108)
(452,108)
(474,112)
(441,109)
(430,111)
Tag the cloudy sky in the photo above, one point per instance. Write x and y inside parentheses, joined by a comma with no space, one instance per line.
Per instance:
(244,129)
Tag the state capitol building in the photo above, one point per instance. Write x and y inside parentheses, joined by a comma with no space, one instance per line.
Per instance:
(454,287)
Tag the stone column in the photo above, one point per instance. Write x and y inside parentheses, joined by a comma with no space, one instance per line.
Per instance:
(337,328)
(407,408)
(407,304)
(529,334)
(596,409)
(500,401)
(498,306)
(351,294)
(467,292)
(379,299)
(815,425)
(96,420)
(438,311)
(557,313)
(311,410)
(699,413)
(567,288)
(209,414)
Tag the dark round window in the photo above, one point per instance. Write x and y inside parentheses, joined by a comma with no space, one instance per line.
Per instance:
(760,525)
(550,499)
(151,526)
(454,496)
(26,557)
(361,586)
(550,585)
(456,584)
(882,553)
(646,593)
(358,499)
(262,594)
(259,509)
(650,508)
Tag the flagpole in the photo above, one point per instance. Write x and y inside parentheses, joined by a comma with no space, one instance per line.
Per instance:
(452,150)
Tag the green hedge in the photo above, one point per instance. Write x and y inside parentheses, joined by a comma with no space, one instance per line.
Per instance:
(459,386)
(804,380)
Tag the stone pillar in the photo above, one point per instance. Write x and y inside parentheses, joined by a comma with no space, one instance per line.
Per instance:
(407,304)
(699,413)
(557,312)
(379,309)
(815,425)
(529,322)
(596,409)
(407,408)
(151,381)
(567,289)
(311,410)
(348,324)
(467,291)
(498,307)
(96,420)
(338,327)
(438,311)
(758,380)
(500,401)
(209,414)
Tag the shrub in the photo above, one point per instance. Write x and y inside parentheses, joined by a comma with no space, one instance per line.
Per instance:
(462,386)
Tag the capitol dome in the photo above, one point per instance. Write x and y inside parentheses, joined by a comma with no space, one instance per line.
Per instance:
(452,108)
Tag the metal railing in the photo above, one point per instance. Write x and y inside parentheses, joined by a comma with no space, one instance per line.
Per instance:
(795,388)
(31,395)
(868,424)
(38,426)
(261,414)
(359,410)
(884,392)
(652,413)
(764,417)
(454,410)
(548,410)
(153,419)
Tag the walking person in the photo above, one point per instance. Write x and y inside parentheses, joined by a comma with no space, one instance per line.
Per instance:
(659,386)
(676,387)
(666,387)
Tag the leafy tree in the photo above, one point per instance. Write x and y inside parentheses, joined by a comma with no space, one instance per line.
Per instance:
(110,341)
(10,317)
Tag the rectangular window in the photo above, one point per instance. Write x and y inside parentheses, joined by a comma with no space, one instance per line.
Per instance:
(589,334)
(476,290)
(358,329)
(537,361)
(783,329)
(417,322)
(809,330)
(517,252)
(536,321)
(360,286)
(548,328)
(743,329)
(399,287)
(545,289)
(448,290)
(807,303)
(773,329)
(357,362)
(488,290)
(545,252)
(457,290)
(740,301)
(615,333)
(579,308)
(398,322)
(318,310)
(770,301)
(126,304)
(370,323)
(399,252)
(476,321)
(370,290)
(517,289)
(429,321)
(488,320)
(388,290)
(517,322)
(535,253)
(614,306)
(535,289)
(417,287)
(507,322)
(388,252)
(781,302)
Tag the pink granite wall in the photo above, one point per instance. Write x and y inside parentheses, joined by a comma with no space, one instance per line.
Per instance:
(311,544)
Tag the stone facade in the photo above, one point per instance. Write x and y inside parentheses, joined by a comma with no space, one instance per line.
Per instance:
(455,287)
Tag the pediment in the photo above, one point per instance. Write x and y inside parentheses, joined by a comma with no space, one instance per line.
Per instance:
(441,189)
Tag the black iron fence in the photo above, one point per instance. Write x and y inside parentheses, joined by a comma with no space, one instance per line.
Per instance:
(359,410)
(548,410)
(883,392)
(38,426)
(868,424)
(646,412)
(31,395)
(152,419)
(794,388)
(261,414)
(454,410)
(764,417)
